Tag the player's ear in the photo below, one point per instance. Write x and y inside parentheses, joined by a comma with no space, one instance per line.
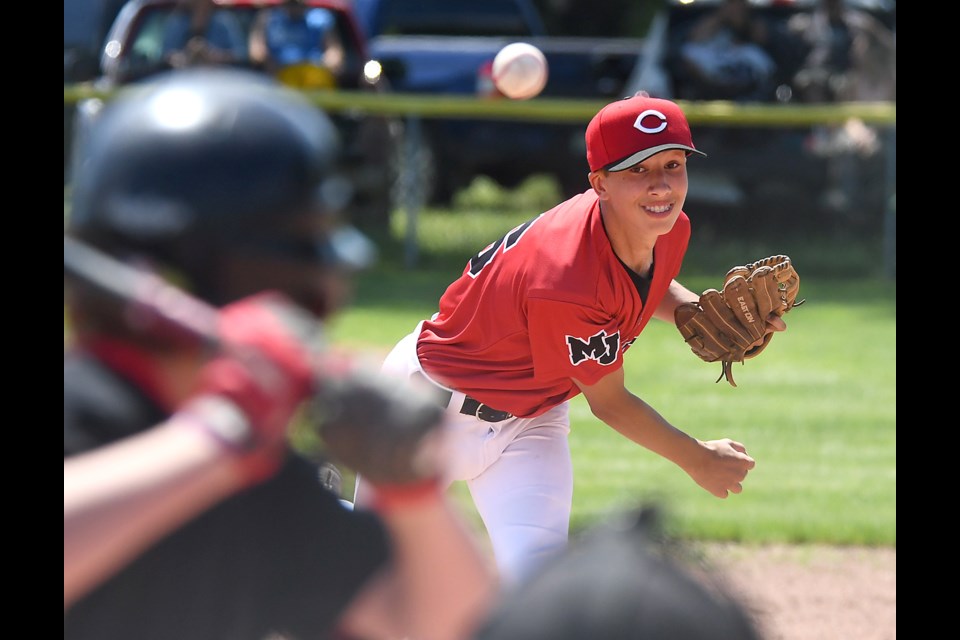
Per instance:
(598,181)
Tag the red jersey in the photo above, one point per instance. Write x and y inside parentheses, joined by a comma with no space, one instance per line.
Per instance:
(548,302)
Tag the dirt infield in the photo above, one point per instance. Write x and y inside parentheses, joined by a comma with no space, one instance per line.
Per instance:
(813,593)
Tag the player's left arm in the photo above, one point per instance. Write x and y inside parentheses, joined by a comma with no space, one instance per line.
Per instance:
(676,295)
(439,585)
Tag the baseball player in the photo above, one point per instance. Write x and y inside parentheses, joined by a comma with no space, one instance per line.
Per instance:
(186,513)
(548,312)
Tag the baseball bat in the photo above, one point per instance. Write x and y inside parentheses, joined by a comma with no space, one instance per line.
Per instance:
(373,420)
(149,303)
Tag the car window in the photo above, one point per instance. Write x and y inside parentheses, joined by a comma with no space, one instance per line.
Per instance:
(147,46)
(144,52)
(452,18)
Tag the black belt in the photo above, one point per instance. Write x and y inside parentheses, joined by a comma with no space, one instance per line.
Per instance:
(471,406)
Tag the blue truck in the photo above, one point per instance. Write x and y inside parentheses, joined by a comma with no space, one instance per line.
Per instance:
(448,46)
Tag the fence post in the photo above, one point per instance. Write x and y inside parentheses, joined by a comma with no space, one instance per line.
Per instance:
(412,187)
(890,206)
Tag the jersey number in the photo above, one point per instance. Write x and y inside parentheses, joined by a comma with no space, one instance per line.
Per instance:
(482,259)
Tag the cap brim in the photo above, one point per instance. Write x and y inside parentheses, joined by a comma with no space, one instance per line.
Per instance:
(640,156)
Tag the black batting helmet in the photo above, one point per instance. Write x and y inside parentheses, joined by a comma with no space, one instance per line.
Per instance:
(199,168)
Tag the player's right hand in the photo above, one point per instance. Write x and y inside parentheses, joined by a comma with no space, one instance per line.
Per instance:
(723,467)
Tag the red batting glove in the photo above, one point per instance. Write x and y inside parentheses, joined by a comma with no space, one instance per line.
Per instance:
(264,370)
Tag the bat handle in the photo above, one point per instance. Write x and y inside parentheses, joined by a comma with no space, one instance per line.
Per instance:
(148,301)
(152,305)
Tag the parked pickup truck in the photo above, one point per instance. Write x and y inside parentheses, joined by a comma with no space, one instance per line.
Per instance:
(448,46)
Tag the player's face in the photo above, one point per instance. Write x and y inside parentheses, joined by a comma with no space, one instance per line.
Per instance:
(647,197)
(294,258)
(321,290)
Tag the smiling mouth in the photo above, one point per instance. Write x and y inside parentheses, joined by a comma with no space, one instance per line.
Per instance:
(659,209)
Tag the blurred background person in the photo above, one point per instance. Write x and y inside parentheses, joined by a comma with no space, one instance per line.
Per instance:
(724,56)
(848,55)
(298,44)
(197,32)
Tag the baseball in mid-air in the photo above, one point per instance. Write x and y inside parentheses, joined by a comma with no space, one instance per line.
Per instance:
(520,71)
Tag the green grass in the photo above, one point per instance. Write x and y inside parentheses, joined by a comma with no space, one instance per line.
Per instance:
(817,409)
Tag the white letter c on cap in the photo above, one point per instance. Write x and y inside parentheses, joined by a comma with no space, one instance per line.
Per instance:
(638,124)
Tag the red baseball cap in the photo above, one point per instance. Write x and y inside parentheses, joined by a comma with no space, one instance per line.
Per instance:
(631,130)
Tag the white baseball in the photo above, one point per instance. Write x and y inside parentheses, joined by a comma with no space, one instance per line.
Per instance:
(520,71)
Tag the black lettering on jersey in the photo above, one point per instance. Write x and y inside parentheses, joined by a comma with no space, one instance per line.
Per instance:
(599,347)
(482,259)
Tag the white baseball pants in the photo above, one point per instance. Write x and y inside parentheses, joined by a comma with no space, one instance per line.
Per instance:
(518,471)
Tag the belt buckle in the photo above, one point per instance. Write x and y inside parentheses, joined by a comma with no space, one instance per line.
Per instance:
(489,414)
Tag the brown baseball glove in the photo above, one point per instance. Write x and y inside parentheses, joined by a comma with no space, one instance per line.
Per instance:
(730,325)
